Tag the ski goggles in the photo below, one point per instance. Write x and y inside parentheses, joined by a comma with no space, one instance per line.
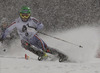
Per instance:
(24,15)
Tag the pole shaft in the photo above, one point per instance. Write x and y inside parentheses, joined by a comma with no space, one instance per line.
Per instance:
(60,39)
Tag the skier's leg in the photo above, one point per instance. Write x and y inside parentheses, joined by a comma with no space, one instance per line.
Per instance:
(39,43)
(27,46)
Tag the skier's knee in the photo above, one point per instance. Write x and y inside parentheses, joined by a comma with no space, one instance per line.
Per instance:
(25,45)
(47,50)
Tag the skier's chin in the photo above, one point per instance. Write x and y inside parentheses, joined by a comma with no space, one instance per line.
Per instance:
(24,20)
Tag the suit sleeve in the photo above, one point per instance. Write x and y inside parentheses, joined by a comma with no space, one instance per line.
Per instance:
(10,28)
(39,25)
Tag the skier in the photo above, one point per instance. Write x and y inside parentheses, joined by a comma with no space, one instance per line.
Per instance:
(26,28)
(27,34)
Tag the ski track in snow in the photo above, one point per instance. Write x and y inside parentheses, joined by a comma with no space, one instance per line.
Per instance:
(83,60)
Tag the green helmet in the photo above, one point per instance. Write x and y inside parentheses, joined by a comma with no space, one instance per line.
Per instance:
(25,9)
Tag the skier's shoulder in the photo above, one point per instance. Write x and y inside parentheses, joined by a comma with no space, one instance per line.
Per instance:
(34,20)
(14,22)
(17,20)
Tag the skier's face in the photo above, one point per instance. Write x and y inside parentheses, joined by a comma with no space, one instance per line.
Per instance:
(24,16)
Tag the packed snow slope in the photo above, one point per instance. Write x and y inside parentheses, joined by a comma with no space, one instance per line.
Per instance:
(82,60)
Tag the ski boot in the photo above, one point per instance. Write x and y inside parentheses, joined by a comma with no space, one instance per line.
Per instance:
(44,56)
(62,57)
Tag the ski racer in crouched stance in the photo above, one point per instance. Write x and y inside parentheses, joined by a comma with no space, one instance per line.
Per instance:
(26,25)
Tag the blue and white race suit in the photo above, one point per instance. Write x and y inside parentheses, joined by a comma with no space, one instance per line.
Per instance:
(26,33)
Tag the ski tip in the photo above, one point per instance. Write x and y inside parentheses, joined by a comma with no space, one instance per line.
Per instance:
(81,46)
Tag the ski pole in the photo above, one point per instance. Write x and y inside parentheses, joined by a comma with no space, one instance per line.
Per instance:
(61,39)
(55,37)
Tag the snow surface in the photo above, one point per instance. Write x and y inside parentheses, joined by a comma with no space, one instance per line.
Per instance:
(82,60)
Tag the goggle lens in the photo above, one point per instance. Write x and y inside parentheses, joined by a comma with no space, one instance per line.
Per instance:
(24,15)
